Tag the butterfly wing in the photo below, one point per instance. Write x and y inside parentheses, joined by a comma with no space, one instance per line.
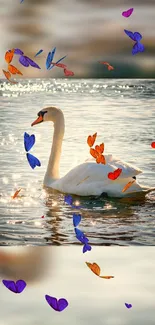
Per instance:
(62,304)
(86,248)
(9,56)
(153,145)
(24,61)
(29,141)
(7,74)
(68,73)
(127,186)
(18,52)
(32,63)
(20,285)
(52,301)
(91,139)
(50,58)
(10,285)
(33,161)
(127,13)
(108,277)
(76,219)
(13,69)
(94,268)
(39,52)
(137,36)
(130,34)
(16,194)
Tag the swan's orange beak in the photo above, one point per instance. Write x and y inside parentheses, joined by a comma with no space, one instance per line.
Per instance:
(38,120)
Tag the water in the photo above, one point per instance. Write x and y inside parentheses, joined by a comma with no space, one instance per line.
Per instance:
(122,112)
(91,299)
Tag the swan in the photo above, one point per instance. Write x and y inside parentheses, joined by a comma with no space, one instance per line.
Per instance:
(88,178)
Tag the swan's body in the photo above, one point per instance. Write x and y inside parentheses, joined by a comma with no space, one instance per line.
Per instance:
(88,178)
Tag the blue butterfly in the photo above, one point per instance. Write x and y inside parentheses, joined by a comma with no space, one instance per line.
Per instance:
(29,141)
(39,52)
(50,58)
(86,248)
(136,37)
(76,219)
(21,1)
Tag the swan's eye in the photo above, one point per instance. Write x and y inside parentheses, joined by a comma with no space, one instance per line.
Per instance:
(41,113)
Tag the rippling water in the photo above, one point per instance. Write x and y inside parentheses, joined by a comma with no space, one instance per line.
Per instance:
(123,114)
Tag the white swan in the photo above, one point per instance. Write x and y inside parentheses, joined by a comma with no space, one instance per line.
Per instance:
(88,178)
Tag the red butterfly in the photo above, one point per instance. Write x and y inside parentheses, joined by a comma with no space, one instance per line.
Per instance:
(114,175)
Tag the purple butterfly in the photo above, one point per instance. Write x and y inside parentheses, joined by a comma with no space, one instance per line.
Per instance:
(127,13)
(128,305)
(58,305)
(136,37)
(16,287)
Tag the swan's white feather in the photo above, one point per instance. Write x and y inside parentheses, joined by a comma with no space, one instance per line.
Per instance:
(98,181)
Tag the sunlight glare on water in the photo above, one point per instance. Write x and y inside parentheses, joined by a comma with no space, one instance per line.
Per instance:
(122,112)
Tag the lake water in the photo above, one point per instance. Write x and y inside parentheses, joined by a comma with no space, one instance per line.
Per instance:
(123,114)
(91,299)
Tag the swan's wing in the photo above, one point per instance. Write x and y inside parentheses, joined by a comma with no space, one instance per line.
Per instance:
(91,178)
(112,163)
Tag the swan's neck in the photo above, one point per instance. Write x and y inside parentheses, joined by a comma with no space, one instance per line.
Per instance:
(52,172)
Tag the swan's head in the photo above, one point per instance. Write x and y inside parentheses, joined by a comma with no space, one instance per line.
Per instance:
(48,114)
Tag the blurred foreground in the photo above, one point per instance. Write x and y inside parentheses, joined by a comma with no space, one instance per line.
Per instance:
(91,299)
(85,31)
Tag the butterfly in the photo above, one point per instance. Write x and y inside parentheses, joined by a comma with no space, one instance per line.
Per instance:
(91,139)
(96,269)
(153,145)
(127,13)
(110,67)
(50,58)
(128,305)
(76,219)
(136,37)
(68,73)
(39,52)
(83,239)
(57,305)
(16,287)
(16,194)
(13,69)
(21,1)
(97,154)
(114,175)
(29,141)
(9,55)
(8,76)
(127,186)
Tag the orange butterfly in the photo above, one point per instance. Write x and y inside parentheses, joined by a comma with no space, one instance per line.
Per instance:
(127,186)
(13,69)
(91,139)
(8,76)
(96,269)
(9,56)
(97,154)
(16,194)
